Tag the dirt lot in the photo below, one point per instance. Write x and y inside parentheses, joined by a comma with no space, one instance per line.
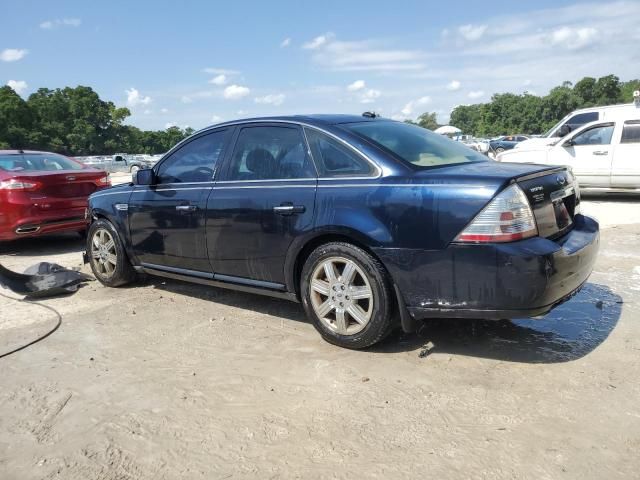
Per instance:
(169,380)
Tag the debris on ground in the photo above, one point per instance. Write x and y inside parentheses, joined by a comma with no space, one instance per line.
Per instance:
(43,279)
(426,349)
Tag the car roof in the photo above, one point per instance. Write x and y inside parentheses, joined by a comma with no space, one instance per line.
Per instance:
(321,119)
(20,152)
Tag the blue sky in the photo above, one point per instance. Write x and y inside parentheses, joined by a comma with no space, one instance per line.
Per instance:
(195,63)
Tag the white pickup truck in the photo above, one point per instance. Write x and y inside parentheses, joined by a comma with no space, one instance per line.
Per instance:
(120,162)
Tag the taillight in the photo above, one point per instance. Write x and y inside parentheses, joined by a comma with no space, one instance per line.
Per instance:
(105,181)
(507,218)
(18,184)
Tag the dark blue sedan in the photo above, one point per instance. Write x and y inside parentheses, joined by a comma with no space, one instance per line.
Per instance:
(501,144)
(368,222)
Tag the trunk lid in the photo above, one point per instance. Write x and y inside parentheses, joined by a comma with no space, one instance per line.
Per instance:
(65,183)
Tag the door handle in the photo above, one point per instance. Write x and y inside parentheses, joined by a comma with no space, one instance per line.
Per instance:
(600,152)
(289,209)
(186,208)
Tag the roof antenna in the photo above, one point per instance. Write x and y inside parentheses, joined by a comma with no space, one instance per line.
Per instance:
(370,114)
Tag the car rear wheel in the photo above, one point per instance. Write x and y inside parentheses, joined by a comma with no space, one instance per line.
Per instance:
(108,260)
(134,169)
(499,150)
(346,294)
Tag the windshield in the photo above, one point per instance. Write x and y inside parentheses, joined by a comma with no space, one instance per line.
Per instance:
(37,162)
(418,146)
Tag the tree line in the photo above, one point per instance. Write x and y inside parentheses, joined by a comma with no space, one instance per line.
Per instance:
(508,113)
(75,121)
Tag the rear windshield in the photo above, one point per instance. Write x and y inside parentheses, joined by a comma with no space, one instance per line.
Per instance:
(416,145)
(37,162)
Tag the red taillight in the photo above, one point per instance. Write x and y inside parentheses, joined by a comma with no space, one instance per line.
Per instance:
(507,218)
(104,181)
(20,184)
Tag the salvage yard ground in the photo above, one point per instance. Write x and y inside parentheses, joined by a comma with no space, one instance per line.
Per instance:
(171,380)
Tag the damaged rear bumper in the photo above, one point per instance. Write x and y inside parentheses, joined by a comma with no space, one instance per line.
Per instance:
(495,281)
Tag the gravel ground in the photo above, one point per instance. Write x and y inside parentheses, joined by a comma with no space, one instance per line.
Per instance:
(167,380)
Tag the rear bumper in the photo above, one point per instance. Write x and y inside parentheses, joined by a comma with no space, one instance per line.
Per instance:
(497,281)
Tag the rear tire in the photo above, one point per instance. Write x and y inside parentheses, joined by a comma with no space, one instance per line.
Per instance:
(499,150)
(107,257)
(346,293)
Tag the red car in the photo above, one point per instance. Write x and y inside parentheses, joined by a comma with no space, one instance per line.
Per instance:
(42,192)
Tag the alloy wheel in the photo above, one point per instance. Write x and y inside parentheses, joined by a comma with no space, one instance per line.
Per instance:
(341,295)
(103,253)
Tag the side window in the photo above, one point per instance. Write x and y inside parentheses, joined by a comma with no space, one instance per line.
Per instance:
(600,135)
(334,159)
(631,132)
(193,162)
(270,153)
(582,118)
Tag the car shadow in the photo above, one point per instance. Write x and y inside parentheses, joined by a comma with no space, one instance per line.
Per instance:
(44,246)
(569,332)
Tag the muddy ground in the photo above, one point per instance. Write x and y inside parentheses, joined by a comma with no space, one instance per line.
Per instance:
(167,380)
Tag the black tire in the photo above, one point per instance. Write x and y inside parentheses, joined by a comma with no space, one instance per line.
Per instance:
(499,150)
(381,321)
(123,271)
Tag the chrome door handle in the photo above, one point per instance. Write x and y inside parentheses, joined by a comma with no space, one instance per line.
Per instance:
(186,208)
(600,152)
(289,209)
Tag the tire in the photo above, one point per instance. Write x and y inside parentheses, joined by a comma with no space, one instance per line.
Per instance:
(134,169)
(110,271)
(329,306)
(499,150)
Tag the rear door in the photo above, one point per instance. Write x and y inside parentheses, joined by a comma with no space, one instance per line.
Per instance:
(167,220)
(589,153)
(625,171)
(264,201)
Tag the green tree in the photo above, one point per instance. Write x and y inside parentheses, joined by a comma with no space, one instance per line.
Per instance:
(15,120)
(428,120)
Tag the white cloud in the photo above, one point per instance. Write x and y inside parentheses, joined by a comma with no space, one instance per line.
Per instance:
(147,112)
(410,107)
(472,33)
(367,55)
(573,38)
(216,118)
(19,86)
(355,86)
(317,42)
(453,85)
(285,43)
(235,92)
(169,125)
(475,94)
(370,95)
(134,98)
(12,54)
(60,22)
(164,110)
(272,99)
(186,99)
(219,79)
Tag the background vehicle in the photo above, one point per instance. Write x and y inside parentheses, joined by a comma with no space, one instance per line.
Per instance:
(601,154)
(44,192)
(506,142)
(120,162)
(581,117)
(355,217)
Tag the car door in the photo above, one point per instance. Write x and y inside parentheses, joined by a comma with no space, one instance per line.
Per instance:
(625,170)
(167,219)
(263,202)
(589,153)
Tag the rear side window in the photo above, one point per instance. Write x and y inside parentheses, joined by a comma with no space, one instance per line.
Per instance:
(631,132)
(194,161)
(37,162)
(334,159)
(582,118)
(270,153)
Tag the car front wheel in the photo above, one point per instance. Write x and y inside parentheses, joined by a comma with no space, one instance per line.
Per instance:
(347,295)
(108,260)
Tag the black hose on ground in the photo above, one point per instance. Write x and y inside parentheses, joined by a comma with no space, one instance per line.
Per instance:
(41,337)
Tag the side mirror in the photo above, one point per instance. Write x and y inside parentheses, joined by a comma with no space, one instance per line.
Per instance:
(569,143)
(564,130)
(144,176)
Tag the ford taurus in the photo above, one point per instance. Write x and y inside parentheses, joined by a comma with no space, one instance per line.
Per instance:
(367,222)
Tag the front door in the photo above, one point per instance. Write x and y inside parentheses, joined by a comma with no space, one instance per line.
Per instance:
(166,220)
(589,153)
(265,199)
(625,171)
